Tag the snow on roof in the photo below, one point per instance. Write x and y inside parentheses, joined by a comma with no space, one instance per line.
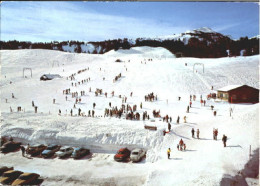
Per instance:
(229,87)
(52,76)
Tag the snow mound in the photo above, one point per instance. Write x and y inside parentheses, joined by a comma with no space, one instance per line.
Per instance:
(144,51)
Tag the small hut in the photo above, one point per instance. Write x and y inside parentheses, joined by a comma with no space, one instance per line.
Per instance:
(239,94)
(46,77)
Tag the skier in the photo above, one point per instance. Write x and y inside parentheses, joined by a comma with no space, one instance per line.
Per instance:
(79,111)
(169,127)
(184,146)
(216,134)
(190,104)
(224,139)
(32,103)
(141,105)
(204,102)
(12,95)
(198,133)
(184,118)
(169,153)
(192,132)
(23,150)
(215,113)
(71,112)
(35,109)
(178,146)
(178,119)
(94,105)
(59,112)
(53,101)
(188,109)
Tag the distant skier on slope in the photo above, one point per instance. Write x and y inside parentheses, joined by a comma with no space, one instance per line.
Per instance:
(192,132)
(169,127)
(198,133)
(169,153)
(178,119)
(224,139)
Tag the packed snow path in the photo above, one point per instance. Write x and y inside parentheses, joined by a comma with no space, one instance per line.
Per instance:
(203,163)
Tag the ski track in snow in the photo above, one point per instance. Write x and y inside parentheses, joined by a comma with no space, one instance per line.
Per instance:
(203,163)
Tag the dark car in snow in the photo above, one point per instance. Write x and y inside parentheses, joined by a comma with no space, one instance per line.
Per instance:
(50,151)
(9,176)
(10,146)
(26,179)
(4,169)
(80,152)
(122,155)
(35,150)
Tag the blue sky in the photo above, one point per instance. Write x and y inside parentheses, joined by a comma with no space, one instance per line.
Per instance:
(96,21)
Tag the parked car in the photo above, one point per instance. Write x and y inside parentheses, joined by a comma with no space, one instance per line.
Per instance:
(9,176)
(137,155)
(10,146)
(35,150)
(122,155)
(4,169)
(64,152)
(26,179)
(50,150)
(80,152)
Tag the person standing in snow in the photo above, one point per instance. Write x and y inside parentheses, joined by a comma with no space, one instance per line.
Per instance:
(190,104)
(53,101)
(178,146)
(178,119)
(198,133)
(192,132)
(79,111)
(215,113)
(23,150)
(184,118)
(169,153)
(184,146)
(32,103)
(224,139)
(59,112)
(216,134)
(204,102)
(141,105)
(94,105)
(169,127)
(188,109)
(71,112)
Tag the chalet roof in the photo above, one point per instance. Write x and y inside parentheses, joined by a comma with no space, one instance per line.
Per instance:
(229,87)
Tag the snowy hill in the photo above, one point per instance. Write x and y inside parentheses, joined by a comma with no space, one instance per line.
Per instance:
(205,162)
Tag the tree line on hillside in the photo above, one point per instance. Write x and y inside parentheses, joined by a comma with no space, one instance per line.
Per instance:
(206,45)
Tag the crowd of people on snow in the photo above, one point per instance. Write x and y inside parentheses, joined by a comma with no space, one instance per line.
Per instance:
(150,97)
(117,77)
(130,112)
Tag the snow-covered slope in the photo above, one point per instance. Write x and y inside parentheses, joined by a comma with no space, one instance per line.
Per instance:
(205,161)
